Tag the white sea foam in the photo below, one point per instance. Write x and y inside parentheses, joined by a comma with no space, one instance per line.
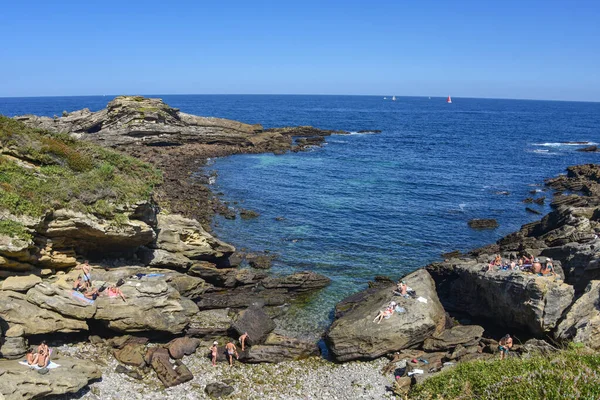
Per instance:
(212,180)
(560,144)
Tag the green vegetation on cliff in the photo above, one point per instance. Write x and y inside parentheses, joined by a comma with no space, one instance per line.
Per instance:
(41,171)
(568,374)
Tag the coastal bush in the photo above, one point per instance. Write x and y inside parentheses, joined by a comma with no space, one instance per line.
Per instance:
(14,229)
(41,171)
(571,373)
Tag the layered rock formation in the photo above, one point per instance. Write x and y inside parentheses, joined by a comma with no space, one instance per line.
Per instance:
(354,335)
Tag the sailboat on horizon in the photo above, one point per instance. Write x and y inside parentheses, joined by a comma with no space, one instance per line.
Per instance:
(393,98)
(449,100)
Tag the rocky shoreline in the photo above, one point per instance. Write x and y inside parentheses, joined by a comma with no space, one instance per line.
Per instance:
(186,289)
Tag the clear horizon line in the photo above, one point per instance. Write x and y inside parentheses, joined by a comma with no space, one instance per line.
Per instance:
(295,94)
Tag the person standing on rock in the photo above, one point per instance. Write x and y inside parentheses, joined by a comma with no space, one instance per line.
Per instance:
(86,268)
(231,350)
(504,346)
(243,340)
(213,353)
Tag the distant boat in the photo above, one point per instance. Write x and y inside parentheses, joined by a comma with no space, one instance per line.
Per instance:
(393,98)
(385,98)
(449,100)
(429,97)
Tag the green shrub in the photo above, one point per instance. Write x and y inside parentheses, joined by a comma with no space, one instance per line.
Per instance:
(14,229)
(67,173)
(566,374)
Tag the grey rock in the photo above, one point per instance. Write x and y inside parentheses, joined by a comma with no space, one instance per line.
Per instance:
(256,322)
(581,323)
(218,389)
(466,335)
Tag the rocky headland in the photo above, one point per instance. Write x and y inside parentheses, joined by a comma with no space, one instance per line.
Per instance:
(70,190)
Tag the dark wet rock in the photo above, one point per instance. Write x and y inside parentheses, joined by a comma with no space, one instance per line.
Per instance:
(354,335)
(242,298)
(483,223)
(466,335)
(279,218)
(183,346)
(502,192)
(248,214)
(259,261)
(218,389)
(299,282)
(452,254)
(540,200)
(589,149)
(531,210)
(254,321)
(528,200)
(226,277)
(369,131)
(170,374)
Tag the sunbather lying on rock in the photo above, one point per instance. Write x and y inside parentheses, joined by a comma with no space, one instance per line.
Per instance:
(91,294)
(388,312)
(536,267)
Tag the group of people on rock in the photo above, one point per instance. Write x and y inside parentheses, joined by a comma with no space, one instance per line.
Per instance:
(525,263)
(39,357)
(230,348)
(403,290)
(83,284)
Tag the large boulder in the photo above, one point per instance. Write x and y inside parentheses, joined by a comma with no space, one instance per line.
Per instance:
(254,321)
(186,237)
(20,283)
(60,300)
(277,348)
(581,323)
(170,374)
(511,299)
(19,382)
(183,346)
(90,234)
(16,310)
(354,335)
(465,335)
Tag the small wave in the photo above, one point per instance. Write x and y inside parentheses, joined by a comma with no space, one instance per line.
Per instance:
(543,151)
(363,133)
(212,180)
(559,144)
(462,206)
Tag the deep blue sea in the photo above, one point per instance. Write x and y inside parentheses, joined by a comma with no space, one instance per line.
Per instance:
(379,204)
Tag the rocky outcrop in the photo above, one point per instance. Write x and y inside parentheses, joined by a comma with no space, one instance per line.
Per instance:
(19,382)
(483,223)
(354,335)
(277,348)
(464,335)
(255,322)
(508,298)
(170,374)
(581,323)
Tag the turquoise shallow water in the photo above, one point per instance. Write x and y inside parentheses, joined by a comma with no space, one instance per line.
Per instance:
(366,205)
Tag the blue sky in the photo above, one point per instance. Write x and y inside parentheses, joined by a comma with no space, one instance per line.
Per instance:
(509,49)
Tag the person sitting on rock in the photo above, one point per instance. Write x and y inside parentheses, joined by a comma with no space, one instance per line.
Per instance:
(91,294)
(213,352)
(388,312)
(536,267)
(520,263)
(549,268)
(43,355)
(243,340)
(115,291)
(86,269)
(32,356)
(401,289)
(498,261)
(504,345)
(79,285)
(231,350)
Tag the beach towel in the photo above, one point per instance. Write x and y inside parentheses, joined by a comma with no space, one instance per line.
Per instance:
(81,297)
(422,300)
(415,371)
(51,365)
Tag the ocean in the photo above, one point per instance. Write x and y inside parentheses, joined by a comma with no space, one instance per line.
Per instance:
(378,204)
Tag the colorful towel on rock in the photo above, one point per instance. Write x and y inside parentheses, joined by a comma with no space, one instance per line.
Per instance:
(52,365)
(80,296)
